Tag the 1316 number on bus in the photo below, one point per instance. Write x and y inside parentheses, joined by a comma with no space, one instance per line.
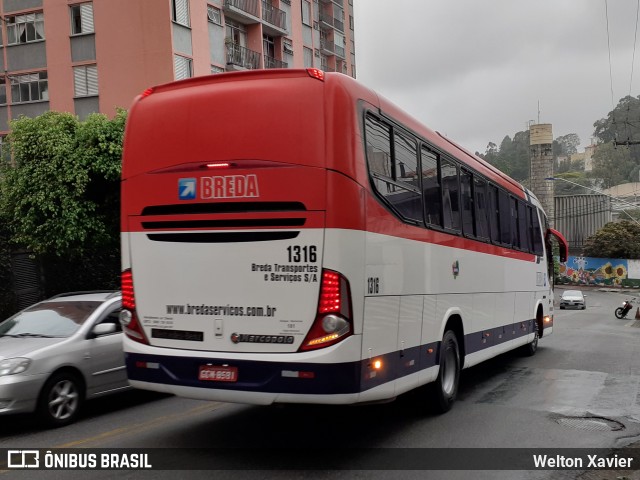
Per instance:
(298,254)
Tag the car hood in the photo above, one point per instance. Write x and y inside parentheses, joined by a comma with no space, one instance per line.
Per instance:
(11,347)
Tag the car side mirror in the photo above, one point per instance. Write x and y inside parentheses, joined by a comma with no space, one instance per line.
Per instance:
(104,329)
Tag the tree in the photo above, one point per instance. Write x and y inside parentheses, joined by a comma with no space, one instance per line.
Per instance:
(612,164)
(615,240)
(60,192)
(566,145)
(623,125)
(512,157)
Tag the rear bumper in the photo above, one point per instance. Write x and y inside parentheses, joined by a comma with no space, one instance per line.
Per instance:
(258,382)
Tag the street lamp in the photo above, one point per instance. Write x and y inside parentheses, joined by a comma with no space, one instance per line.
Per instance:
(619,200)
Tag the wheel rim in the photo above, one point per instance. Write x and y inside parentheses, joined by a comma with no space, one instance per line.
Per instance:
(63,400)
(449,374)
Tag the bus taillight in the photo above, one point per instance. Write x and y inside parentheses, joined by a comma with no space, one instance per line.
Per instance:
(333,319)
(128,316)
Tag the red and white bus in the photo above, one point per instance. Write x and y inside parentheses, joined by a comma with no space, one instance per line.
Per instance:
(290,236)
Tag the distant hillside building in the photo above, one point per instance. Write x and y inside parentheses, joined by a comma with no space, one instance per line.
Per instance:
(585,157)
(93,56)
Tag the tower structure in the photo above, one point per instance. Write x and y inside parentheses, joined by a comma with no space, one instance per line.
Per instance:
(541,156)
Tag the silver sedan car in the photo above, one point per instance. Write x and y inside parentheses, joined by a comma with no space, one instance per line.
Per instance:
(573,299)
(59,352)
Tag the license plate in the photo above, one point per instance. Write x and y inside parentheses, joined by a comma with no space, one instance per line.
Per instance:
(218,374)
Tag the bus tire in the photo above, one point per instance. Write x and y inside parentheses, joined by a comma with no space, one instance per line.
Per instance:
(530,349)
(445,388)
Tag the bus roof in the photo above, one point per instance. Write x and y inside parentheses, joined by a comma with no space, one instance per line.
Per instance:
(337,84)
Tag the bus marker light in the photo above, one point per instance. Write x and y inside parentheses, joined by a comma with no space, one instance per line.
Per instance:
(316,73)
(147,92)
(429,350)
(297,374)
(151,365)
(321,340)
(547,319)
(219,165)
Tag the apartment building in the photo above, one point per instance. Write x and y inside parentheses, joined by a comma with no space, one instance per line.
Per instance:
(83,56)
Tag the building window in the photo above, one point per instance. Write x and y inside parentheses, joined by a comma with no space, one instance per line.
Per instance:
(308,58)
(306,12)
(236,33)
(216,69)
(82,18)
(85,80)
(183,67)
(3,91)
(180,12)
(214,15)
(269,46)
(29,88)
(25,28)
(287,46)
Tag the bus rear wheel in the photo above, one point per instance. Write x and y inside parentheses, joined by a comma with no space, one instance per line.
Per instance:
(444,390)
(530,349)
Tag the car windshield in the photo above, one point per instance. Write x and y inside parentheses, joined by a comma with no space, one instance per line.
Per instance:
(572,293)
(48,319)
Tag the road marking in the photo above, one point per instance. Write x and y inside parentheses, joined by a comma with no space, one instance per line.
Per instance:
(143,426)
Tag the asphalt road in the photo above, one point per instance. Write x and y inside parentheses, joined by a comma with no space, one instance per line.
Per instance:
(581,390)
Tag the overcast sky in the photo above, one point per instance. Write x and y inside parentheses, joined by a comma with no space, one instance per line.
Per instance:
(475,70)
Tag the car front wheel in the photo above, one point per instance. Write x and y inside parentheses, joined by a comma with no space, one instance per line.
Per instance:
(60,399)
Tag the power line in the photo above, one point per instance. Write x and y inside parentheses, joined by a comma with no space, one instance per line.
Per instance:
(635,38)
(606,10)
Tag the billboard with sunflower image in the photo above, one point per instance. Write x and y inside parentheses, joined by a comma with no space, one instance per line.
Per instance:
(594,271)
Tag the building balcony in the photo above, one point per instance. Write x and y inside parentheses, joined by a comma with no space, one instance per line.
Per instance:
(327,47)
(270,62)
(340,3)
(243,11)
(241,58)
(275,20)
(331,21)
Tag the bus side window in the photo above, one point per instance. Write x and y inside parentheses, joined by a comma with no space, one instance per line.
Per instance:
(466,196)
(523,230)
(450,189)
(538,245)
(505,217)
(431,188)
(515,240)
(394,170)
(494,214)
(482,208)
(408,200)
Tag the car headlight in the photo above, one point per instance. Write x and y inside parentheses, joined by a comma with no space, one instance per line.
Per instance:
(13,366)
